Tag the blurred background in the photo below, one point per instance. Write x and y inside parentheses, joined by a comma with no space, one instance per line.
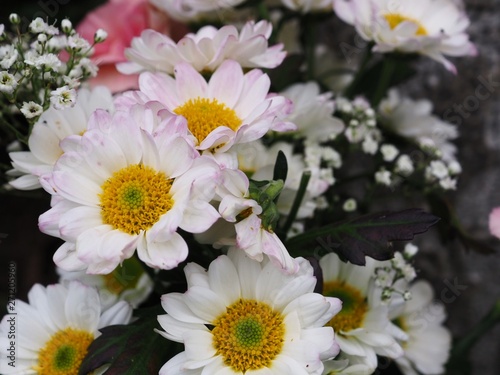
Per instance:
(467,281)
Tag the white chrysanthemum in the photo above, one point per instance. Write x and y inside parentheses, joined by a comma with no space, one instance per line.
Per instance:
(123,188)
(50,129)
(244,317)
(128,282)
(55,329)
(413,119)
(194,10)
(313,112)
(428,346)
(362,327)
(231,108)
(205,50)
(244,213)
(434,28)
(345,364)
(308,6)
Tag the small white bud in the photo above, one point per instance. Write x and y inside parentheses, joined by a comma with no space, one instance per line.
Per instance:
(100,36)
(14,19)
(66,26)
(42,38)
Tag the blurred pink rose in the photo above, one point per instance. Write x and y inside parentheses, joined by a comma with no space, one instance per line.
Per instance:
(494,222)
(122,20)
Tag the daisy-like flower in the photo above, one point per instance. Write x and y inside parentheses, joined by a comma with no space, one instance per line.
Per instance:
(231,108)
(313,112)
(433,28)
(56,328)
(194,10)
(124,188)
(128,282)
(413,119)
(245,317)
(50,129)
(205,50)
(428,346)
(362,327)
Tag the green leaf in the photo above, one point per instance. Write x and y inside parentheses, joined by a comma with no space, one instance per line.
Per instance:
(368,235)
(131,349)
(280,167)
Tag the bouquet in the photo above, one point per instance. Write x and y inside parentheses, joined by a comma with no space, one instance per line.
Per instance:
(232,193)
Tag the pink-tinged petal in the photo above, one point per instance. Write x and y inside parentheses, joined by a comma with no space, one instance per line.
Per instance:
(48,222)
(221,137)
(177,155)
(125,131)
(164,255)
(494,222)
(255,92)
(198,216)
(226,83)
(167,225)
(66,258)
(189,83)
(235,182)
(224,279)
(89,244)
(159,87)
(277,252)
(248,231)
(150,155)
(77,220)
(205,303)
(77,188)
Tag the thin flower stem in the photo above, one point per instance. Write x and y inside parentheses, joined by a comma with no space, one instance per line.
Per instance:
(309,40)
(304,181)
(388,68)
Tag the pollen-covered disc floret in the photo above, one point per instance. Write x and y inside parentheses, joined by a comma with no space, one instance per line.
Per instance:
(125,188)
(232,107)
(433,28)
(242,316)
(57,326)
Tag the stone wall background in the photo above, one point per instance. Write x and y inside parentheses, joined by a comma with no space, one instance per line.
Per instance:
(468,283)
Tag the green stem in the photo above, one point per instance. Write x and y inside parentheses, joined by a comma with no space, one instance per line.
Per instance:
(263,11)
(388,68)
(304,181)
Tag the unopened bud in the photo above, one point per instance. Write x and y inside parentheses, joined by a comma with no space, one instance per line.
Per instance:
(14,19)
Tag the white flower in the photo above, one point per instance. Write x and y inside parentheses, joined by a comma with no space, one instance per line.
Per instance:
(427,348)
(128,282)
(350,205)
(362,326)
(47,61)
(120,188)
(8,56)
(389,152)
(63,97)
(433,28)
(78,43)
(31,109)
(231,108)
(437,169)
(205,50)
(66,25)
(261,321)
(404,165)
(47,133)
(56,328)
(448,183)
(194,10)
(313,112)
(307,6)
(383,177)
(100,36)
(8,83)
(251,235)
(413,119)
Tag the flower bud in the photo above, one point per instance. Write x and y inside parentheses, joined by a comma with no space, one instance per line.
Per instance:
(14,19)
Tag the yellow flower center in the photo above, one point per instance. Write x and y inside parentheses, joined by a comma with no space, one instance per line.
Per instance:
(123,277)
(354,306)
(249,335)
(64,352)
(205,115)
(134,198)
(394,19)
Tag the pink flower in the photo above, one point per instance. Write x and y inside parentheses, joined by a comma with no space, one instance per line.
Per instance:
(140,15)
(494,222)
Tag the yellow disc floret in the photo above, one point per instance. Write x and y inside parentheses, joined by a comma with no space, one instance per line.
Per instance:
(249,335)
(134,198)
(64,352)
(205,115)
(394,19)
(354,306)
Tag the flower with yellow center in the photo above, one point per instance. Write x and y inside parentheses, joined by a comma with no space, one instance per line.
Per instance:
(56,328)
(433,28)
(125,188)
(232,107)
(246,317)
(362,327)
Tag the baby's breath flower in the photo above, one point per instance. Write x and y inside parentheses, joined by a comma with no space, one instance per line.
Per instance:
(389,152)
(100,36)
(410,250)
(404,165)
(63,97)
(8,82)
(383,177)
(8,56)
(31,110)
(66,26)
(14,19)
(78,43)
(350,205)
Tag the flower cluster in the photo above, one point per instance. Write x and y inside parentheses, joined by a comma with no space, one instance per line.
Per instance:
(232,160)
